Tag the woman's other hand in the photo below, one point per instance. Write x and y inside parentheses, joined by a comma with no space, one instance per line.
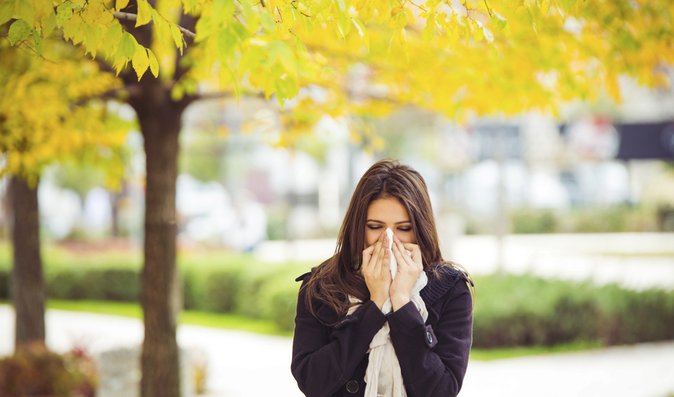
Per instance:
(410,266)
(376,271)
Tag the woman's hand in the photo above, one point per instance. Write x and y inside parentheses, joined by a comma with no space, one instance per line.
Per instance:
(410,266)
(376,271)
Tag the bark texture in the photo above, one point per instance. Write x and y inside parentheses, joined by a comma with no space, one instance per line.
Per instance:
(160,122)
(27,281)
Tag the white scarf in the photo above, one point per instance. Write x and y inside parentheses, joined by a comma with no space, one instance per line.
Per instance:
(383,376)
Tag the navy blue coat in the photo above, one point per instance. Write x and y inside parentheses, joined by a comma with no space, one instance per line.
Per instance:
(433,356)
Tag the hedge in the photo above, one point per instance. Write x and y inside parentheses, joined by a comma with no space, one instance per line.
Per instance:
(509,310)
(524,310)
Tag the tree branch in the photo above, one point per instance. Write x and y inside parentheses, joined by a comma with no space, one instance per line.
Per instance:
(488,9)
(115,94)
(190,22)
(224,95)
(127,16)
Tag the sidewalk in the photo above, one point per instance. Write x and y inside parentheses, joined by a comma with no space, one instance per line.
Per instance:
(236,360)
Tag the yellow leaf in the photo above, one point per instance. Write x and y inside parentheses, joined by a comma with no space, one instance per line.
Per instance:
(613,87)
(177,37)
(121,4)
(144,13)
(154,65)
(6,11)
(140,61)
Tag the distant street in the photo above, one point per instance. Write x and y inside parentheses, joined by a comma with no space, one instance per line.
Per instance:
(634,260)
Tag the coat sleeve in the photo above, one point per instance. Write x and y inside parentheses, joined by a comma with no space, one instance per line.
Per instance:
(433,361)
(324,358)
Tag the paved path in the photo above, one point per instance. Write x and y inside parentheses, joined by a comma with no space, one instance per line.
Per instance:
(245,365)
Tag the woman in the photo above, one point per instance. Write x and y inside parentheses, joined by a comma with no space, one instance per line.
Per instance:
(340,325)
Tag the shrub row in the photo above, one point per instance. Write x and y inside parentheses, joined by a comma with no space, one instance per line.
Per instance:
(509,310)
(245,287)
(523,310)
(238,285)
(591,219)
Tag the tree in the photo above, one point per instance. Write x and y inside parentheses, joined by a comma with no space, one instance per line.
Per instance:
(495,56)
(49,110)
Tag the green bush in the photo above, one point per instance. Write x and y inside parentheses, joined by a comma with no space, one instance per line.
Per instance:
(524,310)
(533,221)
(252,301)
(589,219)
(635,316)
(280,297)
(510,310)
(101,283)
(212,288)
(69,284)
(240,284)
(116,284)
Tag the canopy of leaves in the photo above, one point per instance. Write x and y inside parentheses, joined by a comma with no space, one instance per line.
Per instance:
(51,109)
(485,56)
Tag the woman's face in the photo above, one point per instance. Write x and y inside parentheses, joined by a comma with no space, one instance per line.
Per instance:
(388,212)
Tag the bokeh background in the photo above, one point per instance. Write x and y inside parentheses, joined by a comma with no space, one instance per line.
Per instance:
(564,219)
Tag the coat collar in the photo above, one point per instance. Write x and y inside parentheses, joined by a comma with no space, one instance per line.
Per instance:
(441,279)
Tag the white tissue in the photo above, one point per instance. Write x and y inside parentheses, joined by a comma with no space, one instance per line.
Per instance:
(421,281)
(392,259)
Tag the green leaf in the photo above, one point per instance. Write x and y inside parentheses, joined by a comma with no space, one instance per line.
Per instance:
(252,58)
(140,61)
(19,31)
(282,53)
(37,39)
(224,9)
(499,21)
(48,24)
(161,26)
(268,22)
(286,87)
(113,35)
(144,13)
(227,40)
(24,10)
(94,41)
(64,12)
(251,19)
(567,5)
(154,64)
(127,46)
(6,11)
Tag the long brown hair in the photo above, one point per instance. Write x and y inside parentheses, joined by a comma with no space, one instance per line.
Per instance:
(339,277)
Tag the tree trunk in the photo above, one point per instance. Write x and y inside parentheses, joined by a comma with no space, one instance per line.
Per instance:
(27,281)
(159,119)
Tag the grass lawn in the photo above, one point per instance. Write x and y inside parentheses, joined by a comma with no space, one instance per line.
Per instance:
(205,319)
(242,323)
(514,352)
